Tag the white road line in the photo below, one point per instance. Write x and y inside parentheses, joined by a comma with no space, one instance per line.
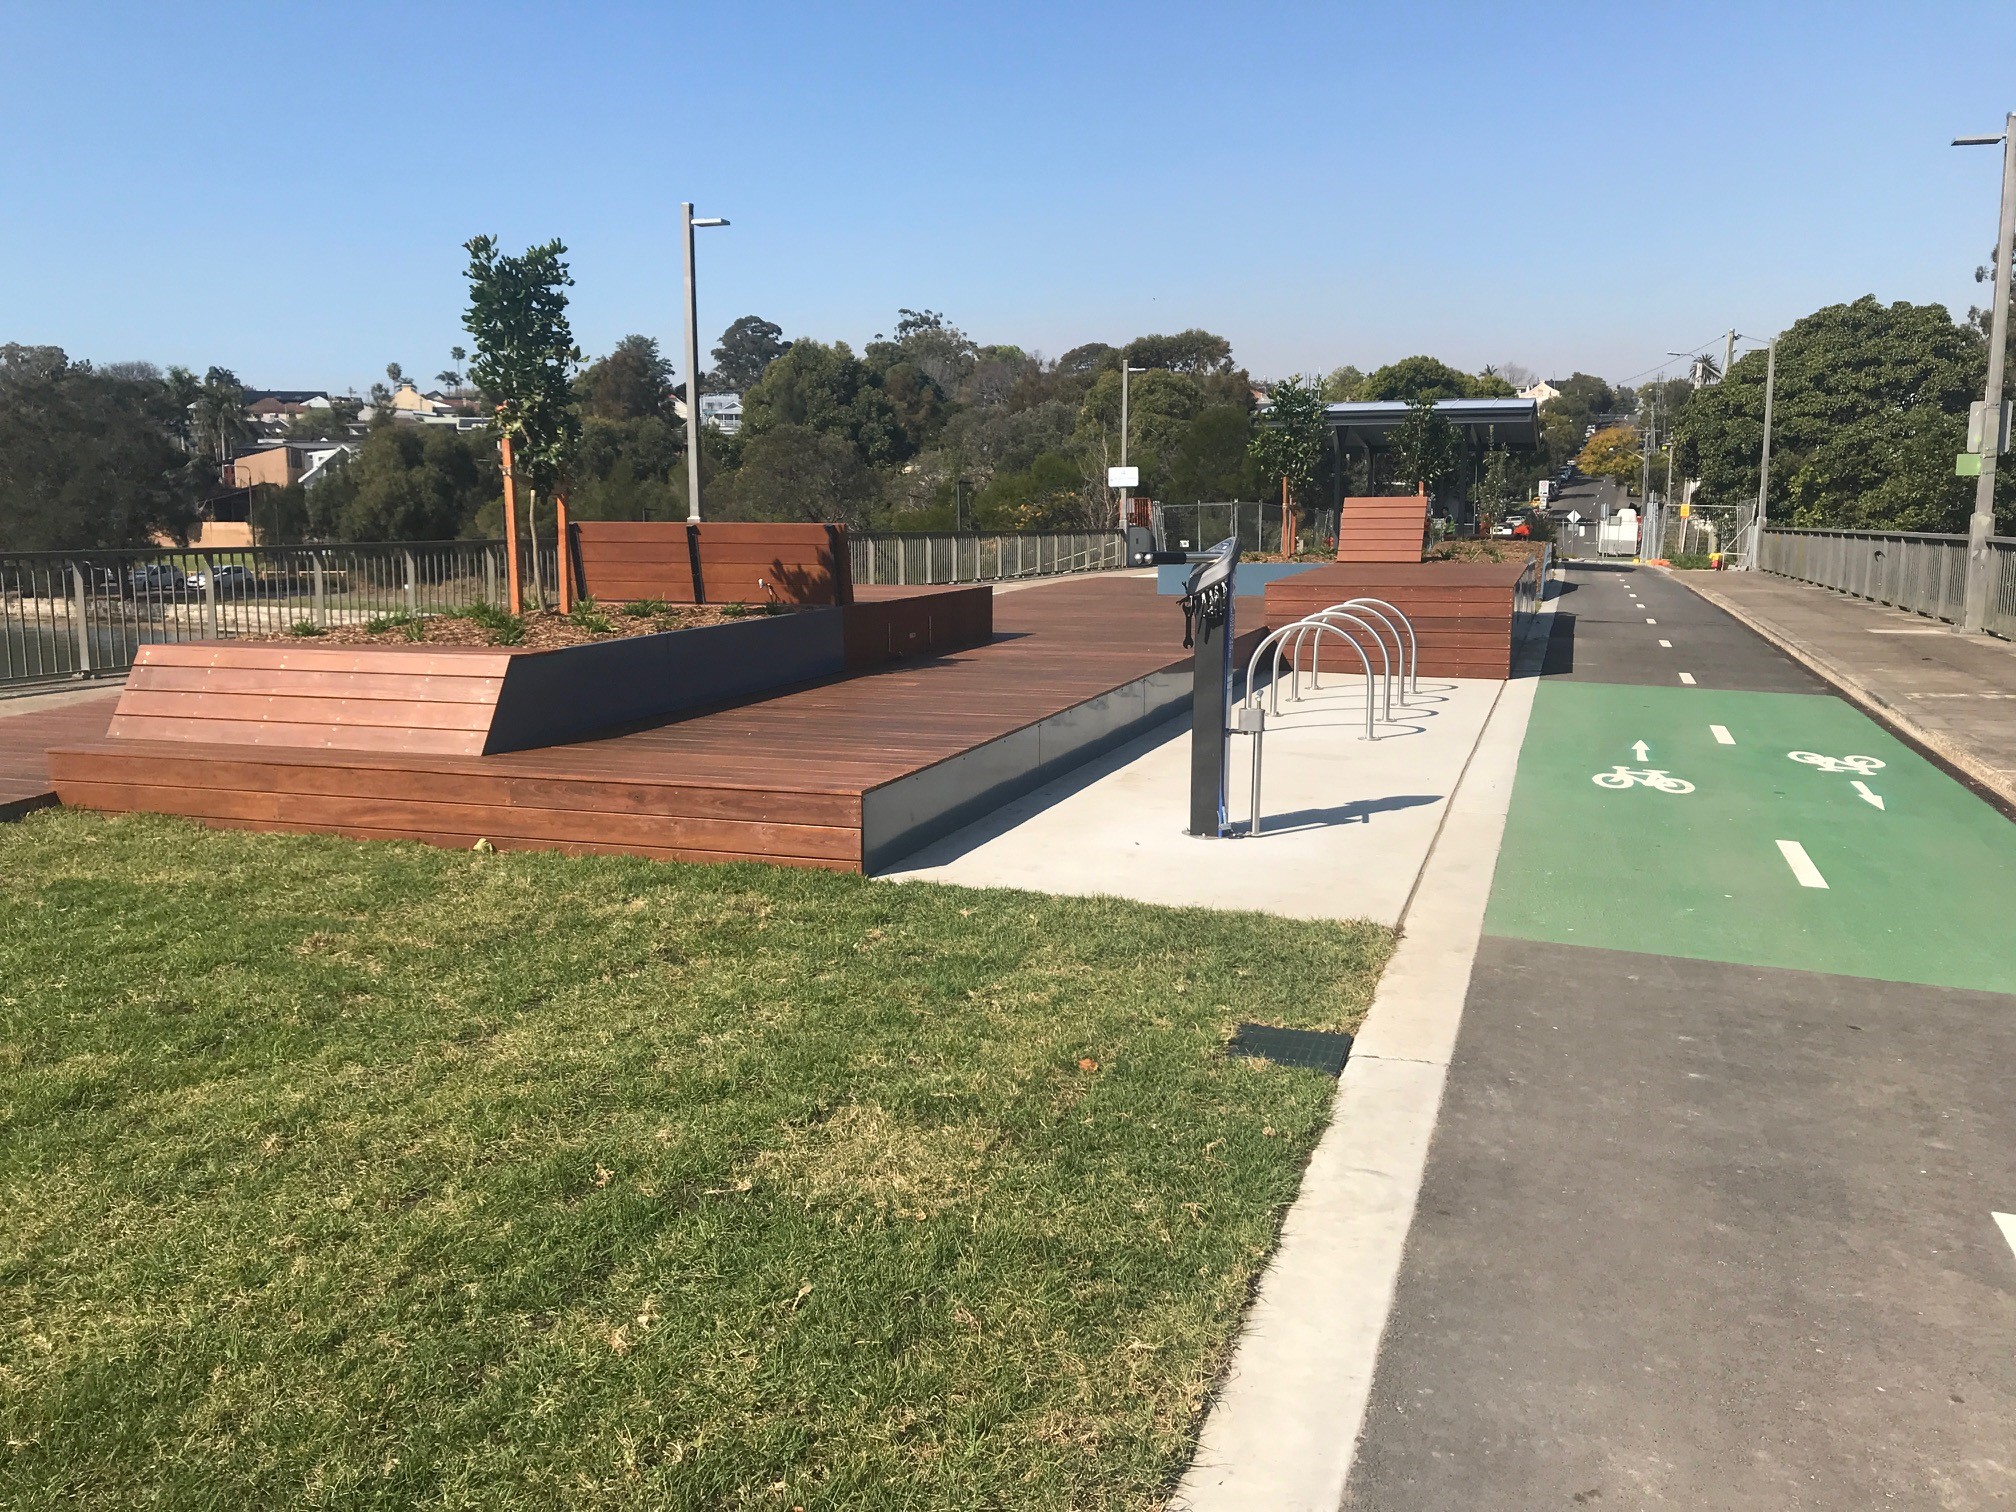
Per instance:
(1667,644)
(1801,864)
(1687,678)
(1721,734)
(2007,1223)
(1651,622)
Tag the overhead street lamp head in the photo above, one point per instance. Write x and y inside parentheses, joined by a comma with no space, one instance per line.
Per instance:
(709,220)
(1979,141)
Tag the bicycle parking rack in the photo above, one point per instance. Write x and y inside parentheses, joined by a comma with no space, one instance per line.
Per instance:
(1250,716)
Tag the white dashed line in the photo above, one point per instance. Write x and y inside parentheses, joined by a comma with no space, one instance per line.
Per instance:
(1801,864)
(1721,734)
(1651,622)
(2007,1223)
(1667,644)
(1687,678)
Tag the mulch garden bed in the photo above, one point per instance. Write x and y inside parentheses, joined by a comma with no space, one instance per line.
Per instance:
(536,630)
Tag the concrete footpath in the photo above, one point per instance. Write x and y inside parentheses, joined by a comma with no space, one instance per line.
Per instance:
(1954,694)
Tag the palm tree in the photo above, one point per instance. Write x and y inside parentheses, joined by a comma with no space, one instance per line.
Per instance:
(219,414)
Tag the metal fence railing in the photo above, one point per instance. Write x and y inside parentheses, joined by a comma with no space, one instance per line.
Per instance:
(1925,574)
(86,614)
(917,557)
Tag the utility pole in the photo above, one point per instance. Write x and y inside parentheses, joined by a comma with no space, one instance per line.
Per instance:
(1666,502)
(1728,353)
(1645,477)
(1981,524)
(1764,460)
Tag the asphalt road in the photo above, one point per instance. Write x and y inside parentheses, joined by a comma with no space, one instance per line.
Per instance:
(1708,1218)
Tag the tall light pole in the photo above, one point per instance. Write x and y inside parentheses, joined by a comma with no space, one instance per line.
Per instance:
(1981,524)
(1126,370)
(688,221)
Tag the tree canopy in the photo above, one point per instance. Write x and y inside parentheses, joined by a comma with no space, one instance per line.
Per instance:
(1870,409)
(745,353)
(633,381)
(89,459)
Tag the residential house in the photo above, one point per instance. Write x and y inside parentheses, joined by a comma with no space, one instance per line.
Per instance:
(1540,392)
(722,411)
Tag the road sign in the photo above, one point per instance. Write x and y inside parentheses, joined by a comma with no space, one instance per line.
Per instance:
(1123,477)
(1574,517)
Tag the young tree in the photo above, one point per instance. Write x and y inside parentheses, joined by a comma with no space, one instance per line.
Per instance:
(220,415)
(525,358)
(1425,445)
(1288,444)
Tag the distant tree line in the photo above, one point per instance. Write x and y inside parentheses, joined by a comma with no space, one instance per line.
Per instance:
(927,424)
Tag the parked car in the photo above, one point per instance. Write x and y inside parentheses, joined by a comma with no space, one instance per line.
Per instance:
(156,580)
(234,580)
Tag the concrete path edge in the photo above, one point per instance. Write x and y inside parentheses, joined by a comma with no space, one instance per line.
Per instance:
(1856,692)
(1284,1427)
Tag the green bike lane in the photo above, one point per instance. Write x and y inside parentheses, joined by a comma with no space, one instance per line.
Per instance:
(1708,1216)
(1919,874)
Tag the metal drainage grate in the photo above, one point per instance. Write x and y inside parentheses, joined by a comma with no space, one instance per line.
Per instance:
(1310,1049)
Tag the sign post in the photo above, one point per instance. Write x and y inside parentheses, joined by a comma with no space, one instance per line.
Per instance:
(1208,630)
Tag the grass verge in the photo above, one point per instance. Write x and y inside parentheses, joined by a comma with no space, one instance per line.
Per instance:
(343,1175)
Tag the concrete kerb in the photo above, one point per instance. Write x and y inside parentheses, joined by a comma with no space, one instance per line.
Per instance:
(1284,1427)
(1850,687)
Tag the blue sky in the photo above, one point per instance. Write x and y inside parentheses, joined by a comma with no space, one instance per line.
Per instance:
(284,190)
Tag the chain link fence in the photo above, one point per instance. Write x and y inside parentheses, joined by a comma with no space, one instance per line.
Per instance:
(1923,573)
(971,557)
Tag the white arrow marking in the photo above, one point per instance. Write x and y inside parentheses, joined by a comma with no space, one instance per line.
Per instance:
(1801,864)
(1641,750)
(2007,1223)
(1867,796)
(1721,734)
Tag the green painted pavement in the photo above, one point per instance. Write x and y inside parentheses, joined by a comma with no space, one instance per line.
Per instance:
(1922,890)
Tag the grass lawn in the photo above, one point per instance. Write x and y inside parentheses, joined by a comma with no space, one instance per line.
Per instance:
(341,1175)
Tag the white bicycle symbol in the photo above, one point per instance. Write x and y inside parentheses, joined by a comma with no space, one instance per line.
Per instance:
(1861,766)
(1651,777)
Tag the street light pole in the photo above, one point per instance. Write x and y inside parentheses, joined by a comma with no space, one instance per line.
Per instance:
(1981,524)
(687,221)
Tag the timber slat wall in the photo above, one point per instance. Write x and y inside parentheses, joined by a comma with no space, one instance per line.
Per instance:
(777,778)
(1461,611)
(416,698)
(618,562)
(1383,528)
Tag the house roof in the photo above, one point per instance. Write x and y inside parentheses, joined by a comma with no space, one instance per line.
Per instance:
(1500,422)
(285,396)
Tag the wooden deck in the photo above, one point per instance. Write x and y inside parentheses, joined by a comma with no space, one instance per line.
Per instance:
(782,777)
(25,737)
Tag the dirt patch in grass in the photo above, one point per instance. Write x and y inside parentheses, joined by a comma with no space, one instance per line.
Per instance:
(361,1174)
